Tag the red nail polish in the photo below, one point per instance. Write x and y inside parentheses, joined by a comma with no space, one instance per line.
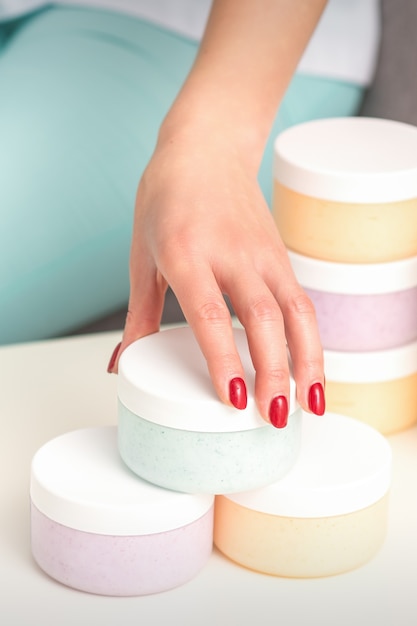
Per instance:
(113,358)
(316,401)
(278,412)
(237,393)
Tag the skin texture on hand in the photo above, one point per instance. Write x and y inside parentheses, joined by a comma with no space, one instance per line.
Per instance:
(201,223)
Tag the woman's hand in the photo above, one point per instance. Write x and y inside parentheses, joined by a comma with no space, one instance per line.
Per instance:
(201,222)
(202,226)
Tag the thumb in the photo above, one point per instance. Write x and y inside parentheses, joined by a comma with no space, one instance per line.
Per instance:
(146,303)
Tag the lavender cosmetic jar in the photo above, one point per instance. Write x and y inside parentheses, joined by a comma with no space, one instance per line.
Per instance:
(97,527)
(361,306)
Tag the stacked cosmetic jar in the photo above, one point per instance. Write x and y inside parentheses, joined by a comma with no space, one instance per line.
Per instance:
(135,509)
(345,203)
(128,510)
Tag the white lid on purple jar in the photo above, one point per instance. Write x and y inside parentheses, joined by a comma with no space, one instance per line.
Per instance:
(371,367)
(164,379)
(354,278)
(79,480)
(352,159)
(343,466)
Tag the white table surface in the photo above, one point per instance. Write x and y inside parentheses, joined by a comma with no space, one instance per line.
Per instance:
(48,388)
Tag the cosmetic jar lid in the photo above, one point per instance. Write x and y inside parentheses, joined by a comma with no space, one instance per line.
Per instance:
(343,466)
(163,378)
(352,159)
(354,278)
(79,480)
(371,367)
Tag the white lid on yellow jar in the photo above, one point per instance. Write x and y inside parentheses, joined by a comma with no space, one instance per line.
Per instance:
(344,466)
(163,378)
(354,278)
(371,367)
(353,159)
(79,480)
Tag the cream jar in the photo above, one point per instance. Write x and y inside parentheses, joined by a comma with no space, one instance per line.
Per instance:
(361,307)
(175,432)
(97,527)
(345,189)
(327,516)
(379,387)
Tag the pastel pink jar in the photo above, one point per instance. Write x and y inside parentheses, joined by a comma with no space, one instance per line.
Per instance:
(97,527)
(361,306)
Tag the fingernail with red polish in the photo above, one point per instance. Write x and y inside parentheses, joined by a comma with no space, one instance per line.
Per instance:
(113,358)
(237,393)
(278,412)
(316,401)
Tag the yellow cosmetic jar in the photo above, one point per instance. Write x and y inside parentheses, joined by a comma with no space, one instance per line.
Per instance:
(328,515)
(377,387)
(345,189)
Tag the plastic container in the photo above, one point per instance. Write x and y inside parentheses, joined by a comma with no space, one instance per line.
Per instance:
(327,516)
(379,388)
(345,189)
(175,432)
(361,307)
(97,527)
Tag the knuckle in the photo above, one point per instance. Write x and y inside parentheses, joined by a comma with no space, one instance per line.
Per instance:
(130,318)
(264,309)
(311,368)
(135,323)
(300,305)
(278,375)
(213,311)
(275,377)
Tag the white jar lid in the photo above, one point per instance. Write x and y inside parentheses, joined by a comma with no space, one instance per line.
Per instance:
(79,480)
(353,159)
(371,367)
(344,466)
(164,379)
(354,278)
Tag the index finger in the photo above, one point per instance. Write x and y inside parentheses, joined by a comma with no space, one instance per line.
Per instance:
(206,311)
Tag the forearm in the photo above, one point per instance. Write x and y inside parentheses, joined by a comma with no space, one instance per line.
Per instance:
(247,57)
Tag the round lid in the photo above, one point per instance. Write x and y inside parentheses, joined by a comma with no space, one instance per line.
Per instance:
(353,159)
(164,379)
(344,465)
(354,278)
(79,481)
(371,367)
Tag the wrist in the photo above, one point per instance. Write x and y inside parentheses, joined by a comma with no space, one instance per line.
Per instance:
(220,126)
